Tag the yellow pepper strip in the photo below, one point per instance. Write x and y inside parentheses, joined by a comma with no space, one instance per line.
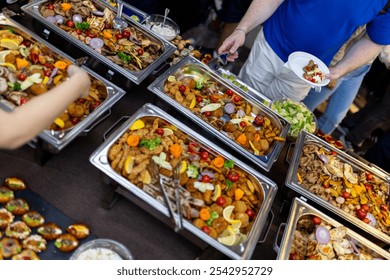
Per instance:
(299,177)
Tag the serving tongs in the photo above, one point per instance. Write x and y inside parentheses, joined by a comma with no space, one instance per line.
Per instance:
(155,174)
(219,61)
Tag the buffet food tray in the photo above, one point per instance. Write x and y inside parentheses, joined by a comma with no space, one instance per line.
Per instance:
(57,140)
(349,211)
(135,76)
(236,82)
(300,210)
(241,250)
(191,67)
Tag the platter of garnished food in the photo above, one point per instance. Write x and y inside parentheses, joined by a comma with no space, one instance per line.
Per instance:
(29,67)
(312,235)
(309,68)
(341,183)
(223,201)
(133,51)
(237,119)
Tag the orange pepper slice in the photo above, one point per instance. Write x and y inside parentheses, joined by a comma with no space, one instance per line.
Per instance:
(133,140)
(61,65)
(219,162)
(204,214)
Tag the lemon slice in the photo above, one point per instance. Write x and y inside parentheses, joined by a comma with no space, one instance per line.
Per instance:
(9,65)
(193,103)
(3,54)
(147,179)
(167,131)
(129,163)
(59,122)
(183,167)
(241,238)
(138,124)
(227,212)
(228,237)
(236,224)
(171,79)
(9,44)
(217,192)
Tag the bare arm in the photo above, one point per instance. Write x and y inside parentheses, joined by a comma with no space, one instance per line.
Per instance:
(258,12)
(25,122)
(360,53)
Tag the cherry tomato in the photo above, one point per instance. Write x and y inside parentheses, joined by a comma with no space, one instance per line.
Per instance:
(23,100)
(199,99)
(294,256)
(242,124)
(207,114)
(365,207)
(50,6)
(79,32)
(229,92)
(140,51)
(361,213)
(383,207)
(333,153)
(369,176)
(250,213)
(366,220)
(70,23)
(22,77)
(204,155)
(160,131)
(206,178)
(27,43)
(206,229)
(90,34)
(316,220)
(220,201)
(126,33)
(193,148)
(182,88)
(236,99)
(119,36)
(346,195)
(74,120)
(47,72)
(259,120)
(233,176)
(94,105)
(338,144)
(368,186)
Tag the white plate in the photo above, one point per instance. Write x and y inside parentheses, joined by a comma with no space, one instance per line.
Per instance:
(298,60)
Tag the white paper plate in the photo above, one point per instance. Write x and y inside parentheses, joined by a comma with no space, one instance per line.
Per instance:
(298,60)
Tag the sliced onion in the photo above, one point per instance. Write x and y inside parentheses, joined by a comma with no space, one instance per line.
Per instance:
(208,173)
(355,250)
(77,18)
(59,19)
(340,200)
(324,158)
(372,219)
(53,73)
(194,157)
(98,13)
(322,235)
(229,108)
(51,19)
(240,113)
(96,43)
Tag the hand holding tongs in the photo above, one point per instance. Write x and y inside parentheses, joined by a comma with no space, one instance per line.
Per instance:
(220,60)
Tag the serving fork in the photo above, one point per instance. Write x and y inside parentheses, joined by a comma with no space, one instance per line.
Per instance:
(176,185)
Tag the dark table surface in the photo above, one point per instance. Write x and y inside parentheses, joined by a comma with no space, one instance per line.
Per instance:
(78,190)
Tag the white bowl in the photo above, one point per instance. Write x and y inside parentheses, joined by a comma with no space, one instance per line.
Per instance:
(155,23)
(102,249)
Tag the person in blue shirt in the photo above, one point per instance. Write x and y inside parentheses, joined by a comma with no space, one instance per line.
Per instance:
(317,27)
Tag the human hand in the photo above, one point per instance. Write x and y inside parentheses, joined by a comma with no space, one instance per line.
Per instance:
(82,77)
(334,73)
(231,44)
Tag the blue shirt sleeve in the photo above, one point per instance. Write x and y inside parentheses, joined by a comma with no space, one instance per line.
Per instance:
(379,29)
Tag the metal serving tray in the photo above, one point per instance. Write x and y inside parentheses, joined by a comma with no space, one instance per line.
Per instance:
(135,76)
(293,182)
(190,62)
(300,209)
(240,85)
(57,140)
(241,251)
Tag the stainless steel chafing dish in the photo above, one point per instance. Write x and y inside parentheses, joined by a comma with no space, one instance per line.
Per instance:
(135,76)
(294,183)
(242,250)
(301,210)
(189,66)
(250,91)
(57,140)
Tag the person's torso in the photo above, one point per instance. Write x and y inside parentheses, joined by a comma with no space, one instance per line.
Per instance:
(316,26)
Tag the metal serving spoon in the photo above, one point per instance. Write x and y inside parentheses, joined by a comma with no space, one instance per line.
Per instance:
(165,16)
(118,23)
